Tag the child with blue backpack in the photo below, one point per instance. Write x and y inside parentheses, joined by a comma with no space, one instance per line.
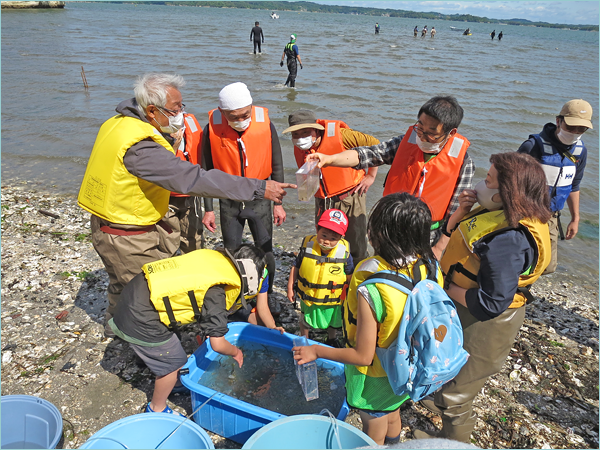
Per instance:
(398,230)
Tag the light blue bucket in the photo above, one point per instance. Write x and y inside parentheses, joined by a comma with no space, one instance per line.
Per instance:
(29,422)
(308,431)
(151,430)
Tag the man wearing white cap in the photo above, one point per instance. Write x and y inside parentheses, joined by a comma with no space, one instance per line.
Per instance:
(241,140)
(292,53)
(563,156)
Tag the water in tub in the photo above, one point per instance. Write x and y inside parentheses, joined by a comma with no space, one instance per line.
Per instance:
(268,379)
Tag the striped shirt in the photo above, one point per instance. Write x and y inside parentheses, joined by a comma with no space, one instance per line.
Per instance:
(384,153)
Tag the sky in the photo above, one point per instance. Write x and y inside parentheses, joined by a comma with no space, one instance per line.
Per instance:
(567,12)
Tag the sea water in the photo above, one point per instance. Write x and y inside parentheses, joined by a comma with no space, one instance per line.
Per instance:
(374,83)
(267,379)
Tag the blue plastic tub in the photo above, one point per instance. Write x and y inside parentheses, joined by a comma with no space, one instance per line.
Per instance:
(150,430)
(29,422)
(308,431)
(225,415)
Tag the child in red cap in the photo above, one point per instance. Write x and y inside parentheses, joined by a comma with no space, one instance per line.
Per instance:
(321,275)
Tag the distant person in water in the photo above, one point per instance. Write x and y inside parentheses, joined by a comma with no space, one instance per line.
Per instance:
(424,31)
(467,32)
(415,31)
(376,28)
(433,32)
(493,34)
(291,52)
(256,34)
(500,36)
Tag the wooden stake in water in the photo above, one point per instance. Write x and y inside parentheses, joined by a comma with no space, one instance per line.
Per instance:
(85,85)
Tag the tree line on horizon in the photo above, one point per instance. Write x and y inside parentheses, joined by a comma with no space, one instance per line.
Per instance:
(303,6)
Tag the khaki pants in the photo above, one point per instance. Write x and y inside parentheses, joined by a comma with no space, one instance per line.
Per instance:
(185,219)
(488,344)
(355,207)
(124,256)
(553,228)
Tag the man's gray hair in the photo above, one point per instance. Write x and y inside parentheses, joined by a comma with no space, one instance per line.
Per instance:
(151,89)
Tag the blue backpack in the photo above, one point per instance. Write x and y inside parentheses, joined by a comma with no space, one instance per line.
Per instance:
(428,351)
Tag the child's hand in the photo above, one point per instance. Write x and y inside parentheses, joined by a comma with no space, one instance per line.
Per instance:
(305,354)
(281,329)
(239,357)
(290,296)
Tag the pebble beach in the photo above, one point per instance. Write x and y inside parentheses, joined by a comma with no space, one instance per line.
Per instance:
(53,346)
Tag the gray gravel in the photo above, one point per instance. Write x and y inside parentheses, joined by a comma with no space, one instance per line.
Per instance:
(545,397)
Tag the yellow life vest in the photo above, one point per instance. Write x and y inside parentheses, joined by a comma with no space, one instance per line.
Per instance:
(321,278)
(178,285)
(393,307)
(461,265)
(108,190)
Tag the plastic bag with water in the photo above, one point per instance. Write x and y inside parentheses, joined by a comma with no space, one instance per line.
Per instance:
(307,179)
(307,374)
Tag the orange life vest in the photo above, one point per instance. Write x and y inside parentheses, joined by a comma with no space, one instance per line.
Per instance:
(433,181)
(192,136)
(336,180)
(256,155)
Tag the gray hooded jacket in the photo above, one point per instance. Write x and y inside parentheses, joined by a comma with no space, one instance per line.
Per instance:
(154,163)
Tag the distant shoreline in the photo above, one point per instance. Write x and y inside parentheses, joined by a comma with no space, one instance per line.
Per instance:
(358,10)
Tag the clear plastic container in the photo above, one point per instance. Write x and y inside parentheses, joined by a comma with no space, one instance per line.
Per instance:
(307,374)
(307,179)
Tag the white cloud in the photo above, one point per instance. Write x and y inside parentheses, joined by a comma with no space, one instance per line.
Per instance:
(569,12)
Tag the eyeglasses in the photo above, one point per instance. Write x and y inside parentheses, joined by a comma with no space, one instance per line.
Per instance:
(574,129)
(428,136)
(171,111)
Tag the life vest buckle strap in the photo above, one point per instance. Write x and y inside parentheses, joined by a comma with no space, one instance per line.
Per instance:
(331,286)
(194,303)
(448,276)
(325,259)
(308,298)
(173,323)
(525,291)
(458,268)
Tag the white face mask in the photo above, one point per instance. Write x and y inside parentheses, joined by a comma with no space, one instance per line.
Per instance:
(485,195)
(240,126)
(175,123)
(428,147)
(326,248)
(304,143)
(567,138)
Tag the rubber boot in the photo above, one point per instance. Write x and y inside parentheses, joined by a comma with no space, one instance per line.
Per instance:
(460,432)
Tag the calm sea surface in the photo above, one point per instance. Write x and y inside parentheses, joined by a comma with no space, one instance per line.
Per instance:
(376,83)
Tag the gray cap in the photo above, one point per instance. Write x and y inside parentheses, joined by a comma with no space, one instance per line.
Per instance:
(302,118)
